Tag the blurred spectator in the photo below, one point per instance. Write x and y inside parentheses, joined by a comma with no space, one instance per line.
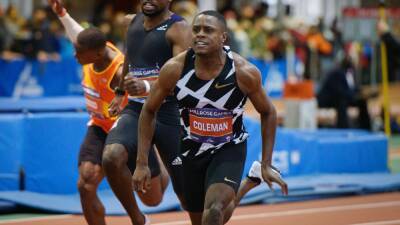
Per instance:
(261,10)
(3,32)
(340,91)
(45,42)
(9,25)
(392,47)
(276,45)
(298,31)
(238,33)
(106,28)
(18,38)
(252,32)
(337,36)
(317,42)
(317,46)
(247,12)
(103,11)
(14,20)
(186,9)
(387,37)
(66,48)
(231,41)
(259,33)
(118,31)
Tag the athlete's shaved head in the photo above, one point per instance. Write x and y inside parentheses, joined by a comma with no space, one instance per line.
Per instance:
(91,38)
(90,46)
(217,15)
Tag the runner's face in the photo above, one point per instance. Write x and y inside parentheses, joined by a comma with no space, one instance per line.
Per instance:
(208,34)
(84,55)
(153,8)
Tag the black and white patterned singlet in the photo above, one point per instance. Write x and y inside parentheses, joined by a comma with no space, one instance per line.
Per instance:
(211,110)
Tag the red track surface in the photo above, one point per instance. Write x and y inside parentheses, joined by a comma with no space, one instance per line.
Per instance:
(379,209)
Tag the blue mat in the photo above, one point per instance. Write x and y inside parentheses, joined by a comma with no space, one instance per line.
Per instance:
(70,203)
(11,150)
(322,186)
(300,188)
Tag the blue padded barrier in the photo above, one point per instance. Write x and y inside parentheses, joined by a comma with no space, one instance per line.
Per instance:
(53,104)
(50,159)
(338,151)
(50,143)
(11,147)
(47,145)
(58,78)
(27,78)
(9,75)
(301,152)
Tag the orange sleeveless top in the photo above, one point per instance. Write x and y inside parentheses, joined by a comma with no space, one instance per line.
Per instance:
(98,93)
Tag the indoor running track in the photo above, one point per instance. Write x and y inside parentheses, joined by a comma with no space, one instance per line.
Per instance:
(377,209)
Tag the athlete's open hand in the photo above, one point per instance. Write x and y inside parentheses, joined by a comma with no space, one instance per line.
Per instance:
(271,175)
(134,86)
(141,179)
(57,7)
(115,106)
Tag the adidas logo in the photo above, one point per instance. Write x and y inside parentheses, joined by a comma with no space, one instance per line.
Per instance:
(163,27)
(177,161)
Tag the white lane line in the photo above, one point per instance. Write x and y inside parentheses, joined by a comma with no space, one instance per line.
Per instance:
(257,215)
(386,222)
(321,210)
(39,218)
(300,212)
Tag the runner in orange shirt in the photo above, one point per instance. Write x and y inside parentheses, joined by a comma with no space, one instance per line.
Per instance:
(102,71)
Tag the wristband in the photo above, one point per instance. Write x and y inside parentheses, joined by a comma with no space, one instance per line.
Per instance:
(273,168)
(62,13)
(118,91)
(147,86)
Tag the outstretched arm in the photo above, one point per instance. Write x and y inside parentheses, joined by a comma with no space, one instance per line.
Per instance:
(165,84)
(249,80)
(72,27)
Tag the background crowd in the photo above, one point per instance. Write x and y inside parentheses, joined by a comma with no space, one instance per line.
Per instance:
(317,45)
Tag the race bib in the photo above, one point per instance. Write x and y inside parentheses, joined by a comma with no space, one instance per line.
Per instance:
(94,104)
(212,126)
(149,74)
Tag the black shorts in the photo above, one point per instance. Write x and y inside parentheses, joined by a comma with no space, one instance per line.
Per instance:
(166,139)
(92,146)
(224,165)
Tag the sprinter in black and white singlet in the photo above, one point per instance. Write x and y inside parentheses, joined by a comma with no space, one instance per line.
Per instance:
(211,85)
(211,110)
